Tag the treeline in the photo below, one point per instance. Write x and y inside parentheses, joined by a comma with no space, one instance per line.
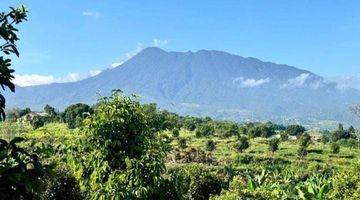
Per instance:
(159,120)
(73,115)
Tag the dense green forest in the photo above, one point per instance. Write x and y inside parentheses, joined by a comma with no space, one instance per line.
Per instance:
(122,149)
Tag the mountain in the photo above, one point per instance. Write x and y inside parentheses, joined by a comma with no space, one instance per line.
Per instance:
(205,82)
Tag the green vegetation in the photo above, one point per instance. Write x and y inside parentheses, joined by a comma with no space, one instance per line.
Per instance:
(335,148)
(242,144)
(121,149)
(274,144)
(210,145)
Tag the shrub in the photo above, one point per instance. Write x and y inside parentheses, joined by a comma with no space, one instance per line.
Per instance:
(21,173)
(274,144)
(37,122)
(351,143)
(242,144)
(190,123)
(284,136)
(205,185)
(325,137)
(295,130)
(75,114)
(302,151)
(195,155)
(244,159)
(167,190)
(305,141)
(131,155)
(335,148)
(204,130)
(231,130)
(197,182)
(210,145)
(262,130)
(182,143)
(346,185)
(62,185)
(176,132)
(340,133)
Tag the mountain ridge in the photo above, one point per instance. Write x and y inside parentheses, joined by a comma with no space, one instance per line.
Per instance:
(205,82)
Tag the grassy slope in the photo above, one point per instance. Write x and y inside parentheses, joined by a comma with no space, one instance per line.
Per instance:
(319,153)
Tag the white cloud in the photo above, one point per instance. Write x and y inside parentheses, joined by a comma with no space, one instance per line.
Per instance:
(139,47)
(32,79)
(160,43)
(116,64)
(250,82)
(72,77)
(91,14)
(344,82)
(132,53)
(297,81)
(305,80)
(128,55)
(36,79)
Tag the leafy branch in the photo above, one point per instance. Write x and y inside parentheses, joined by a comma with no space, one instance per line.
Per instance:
(9,38)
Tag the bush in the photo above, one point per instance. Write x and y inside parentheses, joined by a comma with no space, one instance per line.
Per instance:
(204,130)
(244,159)
(231,130)
(37,122)
(210,145)
(182,143)
(62,185)
(340,133)
(197,182)
(242,144)
(75,114)
(176,132)
(351,143)
(124,156)
(274,144)
(295,130)
(302,151)
(284,136)
(21,173)
(167,190)
(346,185)
(305,141)
(325,137)
(205,185)
(195,155)
(262,130)
(335,148)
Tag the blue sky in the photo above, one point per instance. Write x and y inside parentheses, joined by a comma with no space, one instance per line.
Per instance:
(68,40)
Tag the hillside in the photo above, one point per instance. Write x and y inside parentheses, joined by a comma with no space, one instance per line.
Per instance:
(206,82)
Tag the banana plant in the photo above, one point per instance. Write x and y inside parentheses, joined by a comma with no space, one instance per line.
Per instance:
(256,181)
(314,188)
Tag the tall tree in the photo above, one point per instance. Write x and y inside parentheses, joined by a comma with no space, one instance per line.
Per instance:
(8,46)
(356,111)
(20,171)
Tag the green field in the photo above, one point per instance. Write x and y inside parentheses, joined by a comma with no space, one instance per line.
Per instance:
(222,172)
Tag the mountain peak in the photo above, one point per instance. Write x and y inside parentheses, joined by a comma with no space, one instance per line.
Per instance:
(152,50)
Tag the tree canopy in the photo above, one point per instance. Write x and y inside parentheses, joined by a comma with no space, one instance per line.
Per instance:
(8,38)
